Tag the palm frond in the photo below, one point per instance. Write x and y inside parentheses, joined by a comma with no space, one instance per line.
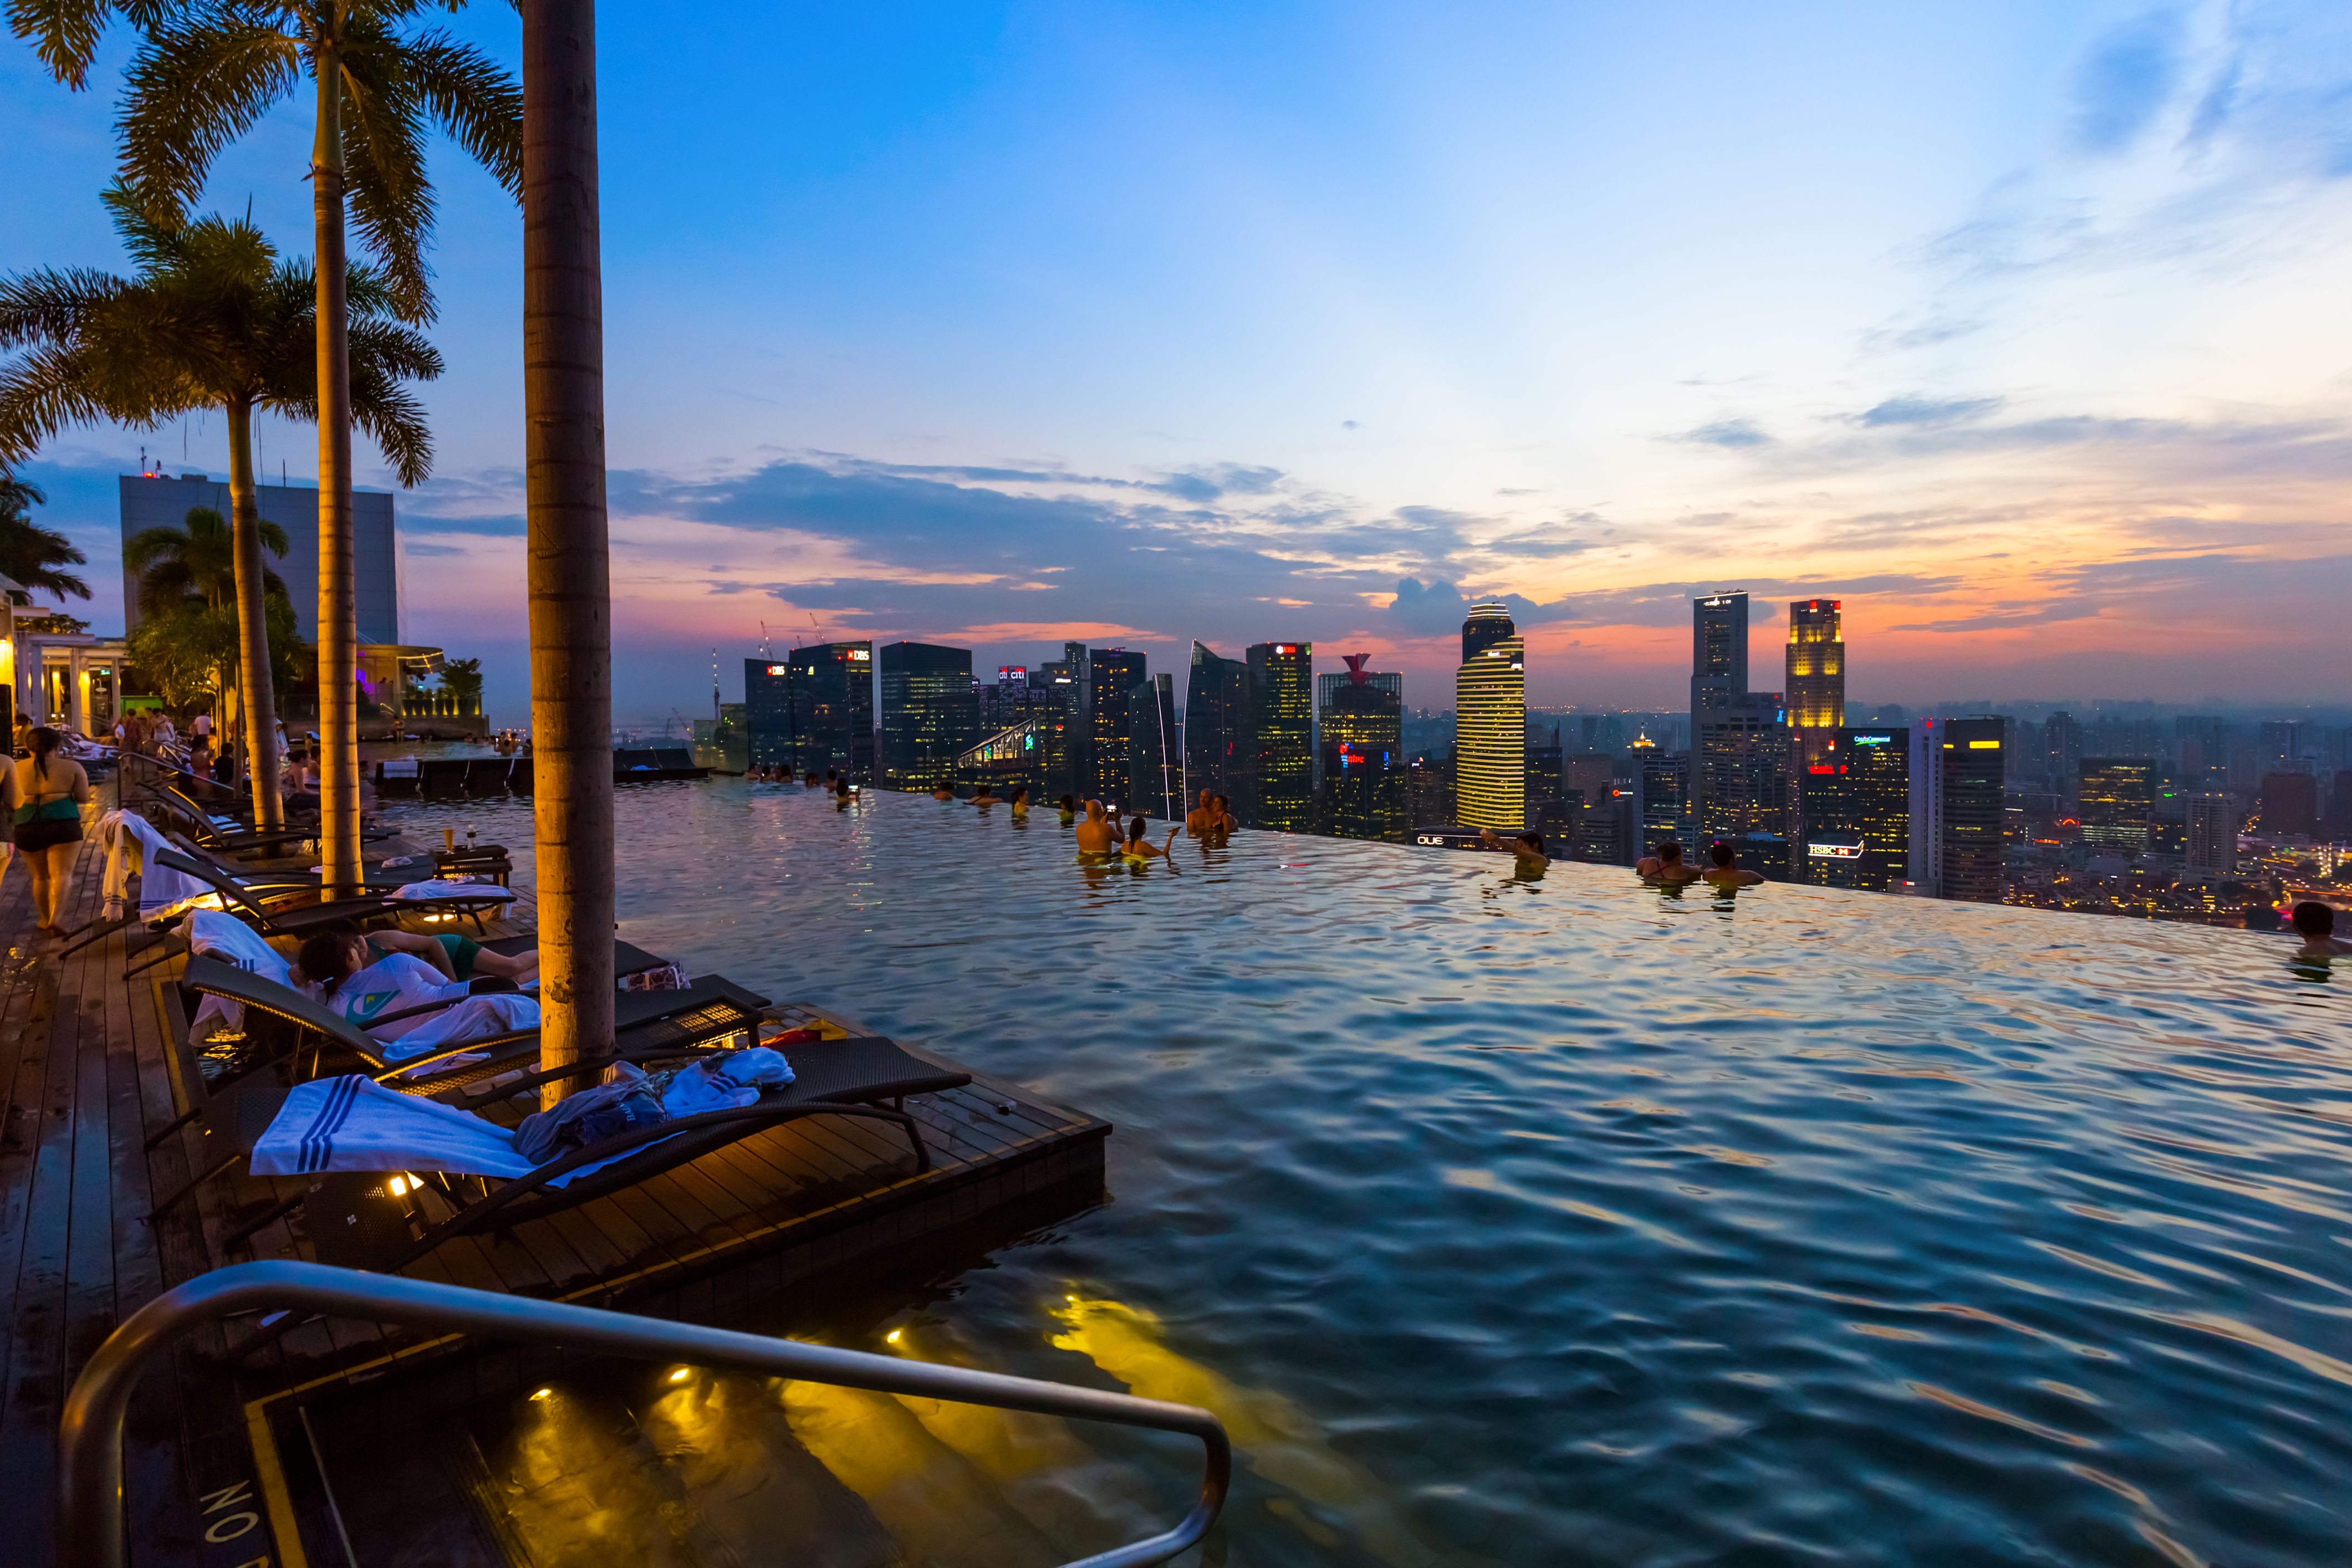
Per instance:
(51,303)
(148,545)
(64,32)
(273,538)
(48,391)
(18,495)
(202,79)
(394,420)
(473,98)
(396,350)
(383,162)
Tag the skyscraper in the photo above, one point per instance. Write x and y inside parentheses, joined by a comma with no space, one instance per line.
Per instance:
(2062,745)
(1740,769)
(1663,781)
(1110,674)
(2290,805)
(160,500)
(1363,787)
(1155,752)
(768,712)
(1282,737)
(1816,684)
(1490,722)
(1971,834)
(929,713)
(1857,808)
(1216,730)
(2118,800)
(2213,834)
(1927,861)
(831,700)
(1718,678)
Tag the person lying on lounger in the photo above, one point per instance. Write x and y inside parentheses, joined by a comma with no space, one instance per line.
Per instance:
(346,975)
(459,957)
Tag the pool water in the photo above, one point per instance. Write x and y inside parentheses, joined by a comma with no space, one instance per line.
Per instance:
(1570,1221)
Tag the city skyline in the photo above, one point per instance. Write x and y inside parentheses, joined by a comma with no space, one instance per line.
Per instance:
(2040,366)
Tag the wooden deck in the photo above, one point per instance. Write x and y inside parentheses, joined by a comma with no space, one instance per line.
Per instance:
(93,1065)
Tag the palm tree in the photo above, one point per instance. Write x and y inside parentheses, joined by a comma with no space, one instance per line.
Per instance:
(196,560)
(207,73)
(30,554)
(571,579)
(213,320)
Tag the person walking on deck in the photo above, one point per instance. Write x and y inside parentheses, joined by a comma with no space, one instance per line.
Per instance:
(49,793)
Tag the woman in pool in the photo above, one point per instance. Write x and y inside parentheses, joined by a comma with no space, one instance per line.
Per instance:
(1526,850)
(1069,809)
(1021,803)
(986,797)
(1222,820)
(1140,851)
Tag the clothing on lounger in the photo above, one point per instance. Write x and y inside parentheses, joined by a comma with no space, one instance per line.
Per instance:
(476,1017)
(394,983)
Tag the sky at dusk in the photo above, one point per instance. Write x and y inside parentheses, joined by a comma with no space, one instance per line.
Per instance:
(2022,328)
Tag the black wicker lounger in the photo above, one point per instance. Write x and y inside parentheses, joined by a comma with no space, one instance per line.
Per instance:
(282,919)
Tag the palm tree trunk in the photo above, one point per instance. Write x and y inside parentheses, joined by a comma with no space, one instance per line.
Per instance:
(255,697)
(570,581)
(338,764)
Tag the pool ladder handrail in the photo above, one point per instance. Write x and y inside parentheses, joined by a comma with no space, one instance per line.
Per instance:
(91,1528)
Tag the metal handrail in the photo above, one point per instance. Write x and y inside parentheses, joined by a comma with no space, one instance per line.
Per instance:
(90,1468)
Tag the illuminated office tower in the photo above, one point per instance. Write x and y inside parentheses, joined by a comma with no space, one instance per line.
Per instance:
(1490,723)
(2062,744)
(2117,801)
(768,711)
(1363,793)
(1155,752)
(1740,769)
(2213,834)
(1110,674)
(1216,730)
(929,715)
(1968,830)
(1663,779)
(1718,677)
(1282,737)
(1857,809)
(830,704)
(1816,685)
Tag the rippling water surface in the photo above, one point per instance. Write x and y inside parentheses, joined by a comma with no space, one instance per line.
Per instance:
(1575,1223)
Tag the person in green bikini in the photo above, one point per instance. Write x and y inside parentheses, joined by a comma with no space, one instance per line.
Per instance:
(1140,851)
(50,791)
(459,957)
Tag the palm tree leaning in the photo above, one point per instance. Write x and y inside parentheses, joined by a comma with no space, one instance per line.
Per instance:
(208,72)
(31,555)
(212,320)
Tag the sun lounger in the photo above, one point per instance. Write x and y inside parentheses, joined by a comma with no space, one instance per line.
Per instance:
(263,904)
(364,1219)
(646,1025)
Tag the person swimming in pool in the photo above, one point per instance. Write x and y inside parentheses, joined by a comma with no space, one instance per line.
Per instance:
(1665,865)
(1021,803)
(2316,922)
(1222,820)
(1140,851)
(986,797)
(1526,850)
(943,793)
(1069,809)
(1197,820)
(1097,835)
(1728,877)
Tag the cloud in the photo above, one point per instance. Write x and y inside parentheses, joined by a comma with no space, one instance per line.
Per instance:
(1915,410)
(420,546)
(1428,609)
(2125,82)
(1210,483)
(1733,435)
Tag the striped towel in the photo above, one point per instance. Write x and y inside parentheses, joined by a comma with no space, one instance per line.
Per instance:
(355,1124)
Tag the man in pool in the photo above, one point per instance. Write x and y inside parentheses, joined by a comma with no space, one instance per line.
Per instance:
(1727,874)
(942,791)
(2316,922)
(1526,850)
(986,797)
(1197,820)
(1097,835)
(1664,865)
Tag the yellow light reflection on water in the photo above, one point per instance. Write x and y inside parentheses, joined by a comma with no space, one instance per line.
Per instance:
(1277,1440)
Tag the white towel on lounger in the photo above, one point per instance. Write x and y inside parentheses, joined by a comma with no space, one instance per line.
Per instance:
(355,1124)
(476,1017)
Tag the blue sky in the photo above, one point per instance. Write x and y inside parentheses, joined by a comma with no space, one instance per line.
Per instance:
(2021,326)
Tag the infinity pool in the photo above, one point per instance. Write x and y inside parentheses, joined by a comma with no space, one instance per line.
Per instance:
(1569,1222)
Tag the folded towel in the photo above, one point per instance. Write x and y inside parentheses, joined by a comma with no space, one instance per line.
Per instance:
(449,887)
(357,1124)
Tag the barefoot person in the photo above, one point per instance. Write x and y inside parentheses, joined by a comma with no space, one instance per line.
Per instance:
(1665,865)
(1097,835)
(51,789)
(459,957)
(1727,875)
(1526,850)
